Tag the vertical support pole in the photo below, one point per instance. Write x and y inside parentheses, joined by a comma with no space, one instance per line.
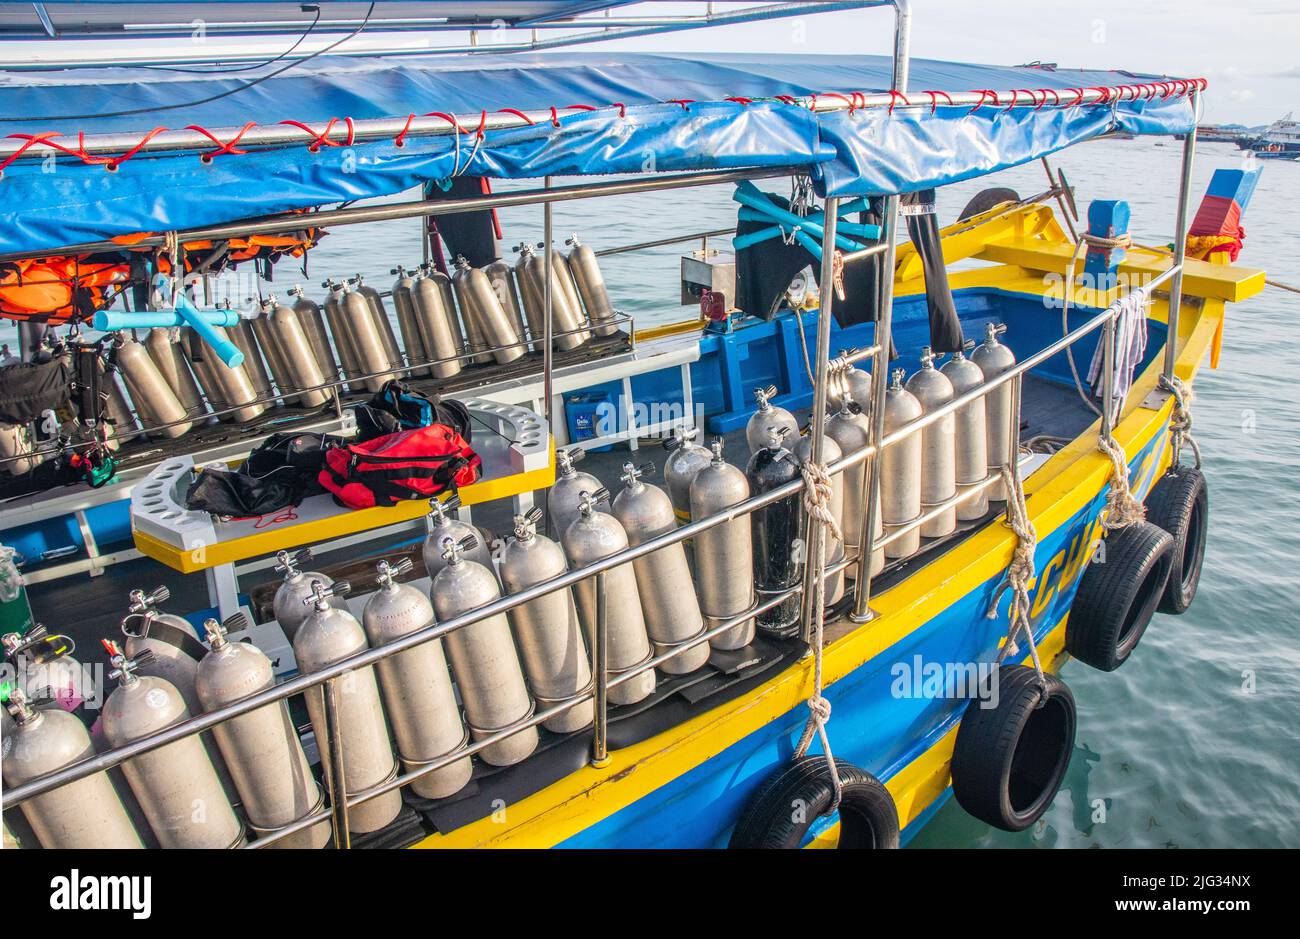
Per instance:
(1180,246)
(814,533)
(1108,377)
(600,673)
(548,331)
(883,340)
(337,776)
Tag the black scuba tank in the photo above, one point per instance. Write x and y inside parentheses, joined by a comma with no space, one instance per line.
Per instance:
(779,551)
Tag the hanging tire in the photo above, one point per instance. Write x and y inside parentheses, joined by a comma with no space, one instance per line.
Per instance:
(783,809)
(1009,760)
(988,199)
(1117,597)
(1180,504)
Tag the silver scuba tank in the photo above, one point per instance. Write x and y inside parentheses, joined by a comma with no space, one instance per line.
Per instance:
(152,394)
(275,352)
(441,524)
(767,416)
(235,388)
(16,441)
(368,338)
(176,785)
(685,459)
(938,446)
(850,380)
(257,360)
(313,324)
(287,606)
(382,322)
(164,345)
(261,749)
(407,322)
(44,668)
(502,277)
(724,554)
(972,440)
(565,494)
(546,629)
(416,685)
(483,656)
(479,305)
(340,329)
(566,317)
(779,551)
(900,470)
(118,412)
(87,813)
(327,636)
(295,354)
(594,536)
(173,643)
(994,358)
(590,285)
(200,359)
(663,578)
(834,590)
(435,313)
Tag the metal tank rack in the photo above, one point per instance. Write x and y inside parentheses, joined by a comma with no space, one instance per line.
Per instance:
(329,676)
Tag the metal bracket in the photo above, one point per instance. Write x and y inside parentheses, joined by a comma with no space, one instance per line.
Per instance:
(1156,399)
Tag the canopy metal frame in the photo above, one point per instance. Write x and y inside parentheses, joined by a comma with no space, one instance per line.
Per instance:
(341,801)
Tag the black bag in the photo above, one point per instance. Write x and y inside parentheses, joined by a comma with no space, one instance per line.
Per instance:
(396,407)
(30,388)
(222,492)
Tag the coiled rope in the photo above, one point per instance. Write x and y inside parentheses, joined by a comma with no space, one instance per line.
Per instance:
(1122,510)
(1019,575)
(1180,422)
(817,502)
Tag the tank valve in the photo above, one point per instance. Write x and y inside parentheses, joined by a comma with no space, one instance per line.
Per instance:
(716,447)
(632,473)
(587,501)
(526,524)
(320,594)
(897,375)
(124,668)
(388,573)
(776,435)
(291,564)
(452,549)
(140,602)
(763,395)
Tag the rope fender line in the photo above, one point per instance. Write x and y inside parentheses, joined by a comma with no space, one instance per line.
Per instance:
(1122,509)
(1018,578)
(1180,422)
(816,500)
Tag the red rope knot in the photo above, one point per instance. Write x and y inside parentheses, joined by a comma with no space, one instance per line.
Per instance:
(400,140)
(622,108)
(1106,93)
(228,147)
(683,103)
(351,131)
(317,140)
(29,142)
(894,97)
(117,161)
(1078,97)
(482,125)
(739,99)
(985,94)
(934,99)
(1056,98)
(555,117)
(789,99)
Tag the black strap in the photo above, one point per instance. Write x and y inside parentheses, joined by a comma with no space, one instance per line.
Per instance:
(174,636)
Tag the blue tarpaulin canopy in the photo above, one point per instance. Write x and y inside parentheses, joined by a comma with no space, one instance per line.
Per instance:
(651,113)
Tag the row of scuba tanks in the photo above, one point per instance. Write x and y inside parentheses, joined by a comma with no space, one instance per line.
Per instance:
(170,382)
(425,703)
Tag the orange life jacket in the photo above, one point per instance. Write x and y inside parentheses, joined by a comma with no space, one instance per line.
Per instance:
(58,289)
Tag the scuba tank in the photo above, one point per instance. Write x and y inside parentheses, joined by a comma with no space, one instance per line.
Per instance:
(369,340)
(233,387)
(594,536)
(122,422)
(274,351)
(327,636)
(288,606)
(590,284)
(502,277)
(972,440)
(382,322)
(407,322)
(294,351)
(261,749)
(441,524)
(45,669)
(685,459)
(176,785)
(154,397)
(257,358)
(564,496)
(87,813)
(313,324)
(341,330)
(483,656)
(768,415)
(204,371)
(435,314)
(415,684)
(164,346)
(779,552)
(994,358)
(834,591)
(663,578)
(480,306)
(851,431)
(566,315)
(900,470)
(850,381)
(16,441)
(546,629)
(938,446)
(724,554)
(173,643)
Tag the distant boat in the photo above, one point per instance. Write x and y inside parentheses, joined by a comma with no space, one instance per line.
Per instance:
(1281,141)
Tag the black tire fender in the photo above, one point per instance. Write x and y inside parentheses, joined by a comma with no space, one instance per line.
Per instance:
(780,813)
(1009,760)
(987,199)
(1180,504)
(1118,594)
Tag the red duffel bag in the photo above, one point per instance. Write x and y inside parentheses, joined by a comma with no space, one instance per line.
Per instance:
(410,464)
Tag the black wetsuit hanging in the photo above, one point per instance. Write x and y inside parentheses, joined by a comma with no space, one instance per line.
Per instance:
(472,235)
(917,209)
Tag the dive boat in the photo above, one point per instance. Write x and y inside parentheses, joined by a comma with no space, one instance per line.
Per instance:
(1281,141)
(849,600)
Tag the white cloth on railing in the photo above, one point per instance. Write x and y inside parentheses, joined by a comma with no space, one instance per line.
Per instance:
(1130,347)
